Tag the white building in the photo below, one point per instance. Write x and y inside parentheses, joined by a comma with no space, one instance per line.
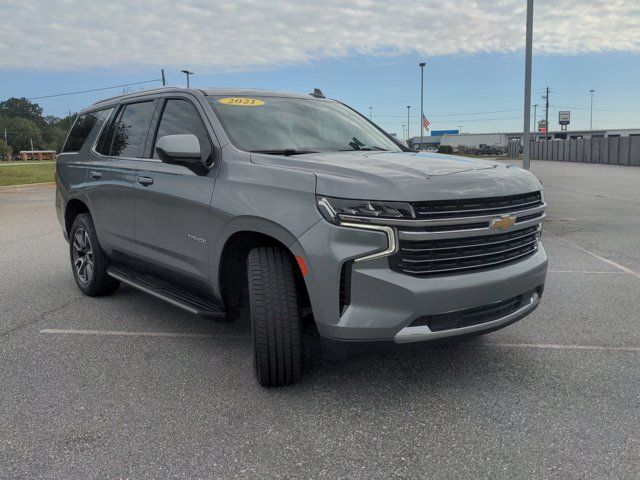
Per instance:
(502,139)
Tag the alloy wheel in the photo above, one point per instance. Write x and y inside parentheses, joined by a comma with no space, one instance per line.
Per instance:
(83,255)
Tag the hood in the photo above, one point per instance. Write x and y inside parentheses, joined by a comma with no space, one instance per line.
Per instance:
(409,176)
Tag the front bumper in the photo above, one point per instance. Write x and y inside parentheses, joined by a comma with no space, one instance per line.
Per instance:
(421,333)
(383,303)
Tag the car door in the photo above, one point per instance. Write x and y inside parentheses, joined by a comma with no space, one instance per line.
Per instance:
(173,201)
(111,179)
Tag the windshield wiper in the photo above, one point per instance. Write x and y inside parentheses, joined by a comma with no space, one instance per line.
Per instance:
(358,145)
(286,152)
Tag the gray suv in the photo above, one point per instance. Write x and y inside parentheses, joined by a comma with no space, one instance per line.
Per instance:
(295,209)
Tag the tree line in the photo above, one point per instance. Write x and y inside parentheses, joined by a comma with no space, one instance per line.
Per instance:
(24,122)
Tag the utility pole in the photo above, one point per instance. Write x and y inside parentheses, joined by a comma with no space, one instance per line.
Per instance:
(187,73)
(591,117)
(164,82)
(527,87)
(459,129)
(408,109)
(546,114)
(535,121)
(421,64)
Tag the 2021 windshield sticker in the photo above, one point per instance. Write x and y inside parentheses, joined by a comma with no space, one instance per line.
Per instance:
(241,102)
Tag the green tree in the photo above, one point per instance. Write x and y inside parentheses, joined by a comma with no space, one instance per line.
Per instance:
(20,133)
(53,138)
(5,150)
(23,108)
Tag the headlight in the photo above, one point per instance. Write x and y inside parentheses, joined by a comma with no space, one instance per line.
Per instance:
(333,208)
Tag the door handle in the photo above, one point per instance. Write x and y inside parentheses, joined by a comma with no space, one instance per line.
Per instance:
(145,180)
(96,175)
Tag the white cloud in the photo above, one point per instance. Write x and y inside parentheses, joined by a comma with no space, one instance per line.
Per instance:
(232,35)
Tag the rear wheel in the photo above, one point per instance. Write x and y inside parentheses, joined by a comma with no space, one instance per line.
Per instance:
(276,317)
(88,261)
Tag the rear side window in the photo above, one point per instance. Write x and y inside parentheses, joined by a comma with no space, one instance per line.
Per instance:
(179,117)
(82,129)
(126,136)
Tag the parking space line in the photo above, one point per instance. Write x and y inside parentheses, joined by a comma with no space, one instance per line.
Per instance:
(595,255)
(588,271)
(122,333)
(551,346)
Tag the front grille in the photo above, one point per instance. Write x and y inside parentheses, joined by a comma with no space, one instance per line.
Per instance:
(444,256)
(476,206)
(474,316)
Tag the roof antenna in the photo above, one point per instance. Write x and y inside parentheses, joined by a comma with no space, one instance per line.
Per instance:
(317,93)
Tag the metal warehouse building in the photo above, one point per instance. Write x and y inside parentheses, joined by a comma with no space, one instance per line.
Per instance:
(502,139)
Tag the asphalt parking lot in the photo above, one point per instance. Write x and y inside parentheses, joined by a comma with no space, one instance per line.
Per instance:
(130,387)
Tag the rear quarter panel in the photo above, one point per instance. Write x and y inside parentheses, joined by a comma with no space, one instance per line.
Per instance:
(70,178)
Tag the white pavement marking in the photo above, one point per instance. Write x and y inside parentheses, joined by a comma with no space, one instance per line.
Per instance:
(564,347)
(122,333)
(586,271)
(244,337)
(595,255)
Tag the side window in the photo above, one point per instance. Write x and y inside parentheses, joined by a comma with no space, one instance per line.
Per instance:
(82,128)
(179,117)
(127,135)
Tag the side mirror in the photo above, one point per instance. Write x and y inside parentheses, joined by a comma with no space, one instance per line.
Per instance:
(181,149)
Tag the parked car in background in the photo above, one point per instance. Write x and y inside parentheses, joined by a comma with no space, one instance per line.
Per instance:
(484,149)
(233,203)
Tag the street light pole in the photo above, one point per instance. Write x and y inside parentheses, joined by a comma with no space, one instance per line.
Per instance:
(422,64)
(535,119)
(370,108)
(459,129)
(408,109)
(591,117)
(527,87)
(187,73)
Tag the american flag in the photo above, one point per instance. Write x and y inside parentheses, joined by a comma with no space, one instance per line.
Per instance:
(425,122)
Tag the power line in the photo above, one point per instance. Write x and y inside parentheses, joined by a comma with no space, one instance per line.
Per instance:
(455,114)
(95,89)
(455,121)
(598,109)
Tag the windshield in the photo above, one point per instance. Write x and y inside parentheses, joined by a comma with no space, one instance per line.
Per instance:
(296,125)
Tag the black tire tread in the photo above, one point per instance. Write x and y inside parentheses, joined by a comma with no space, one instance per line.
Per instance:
(101,284)
(276,316)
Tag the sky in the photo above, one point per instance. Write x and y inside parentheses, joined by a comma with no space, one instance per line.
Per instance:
(363,52)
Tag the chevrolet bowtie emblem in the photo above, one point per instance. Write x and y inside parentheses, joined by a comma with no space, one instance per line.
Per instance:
(503,223)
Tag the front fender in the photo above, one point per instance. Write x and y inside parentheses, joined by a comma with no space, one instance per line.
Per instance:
(245,224)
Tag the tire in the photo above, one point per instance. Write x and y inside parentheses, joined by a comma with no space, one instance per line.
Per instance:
(276,317)
(88,262)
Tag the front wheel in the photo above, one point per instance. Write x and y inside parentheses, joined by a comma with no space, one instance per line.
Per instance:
(276,317)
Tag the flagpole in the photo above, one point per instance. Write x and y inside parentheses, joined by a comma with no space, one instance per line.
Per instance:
(422,64)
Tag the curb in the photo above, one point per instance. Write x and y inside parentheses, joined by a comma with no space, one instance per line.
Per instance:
(24,186)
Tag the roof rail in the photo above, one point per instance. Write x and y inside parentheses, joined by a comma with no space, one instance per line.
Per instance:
(141,92)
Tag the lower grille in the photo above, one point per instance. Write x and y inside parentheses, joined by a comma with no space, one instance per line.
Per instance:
(474,316)
(445,256)
(345,286)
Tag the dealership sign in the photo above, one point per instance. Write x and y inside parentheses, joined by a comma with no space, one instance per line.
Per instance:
(542,126)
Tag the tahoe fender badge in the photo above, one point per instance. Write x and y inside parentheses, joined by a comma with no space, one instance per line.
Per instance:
(196,239)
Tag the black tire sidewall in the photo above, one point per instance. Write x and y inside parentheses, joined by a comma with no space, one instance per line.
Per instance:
(100,283)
